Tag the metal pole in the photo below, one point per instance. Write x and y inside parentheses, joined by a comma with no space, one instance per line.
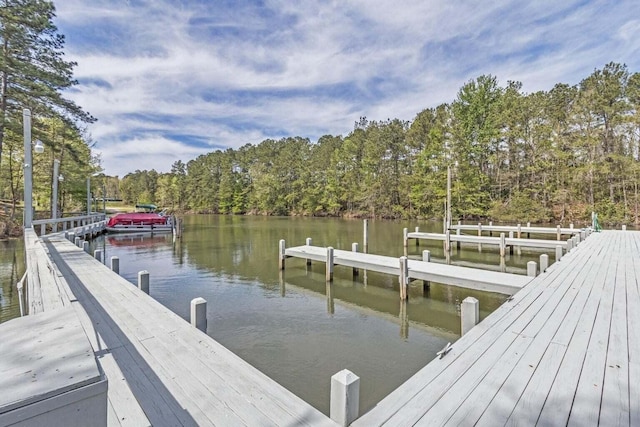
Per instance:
(28,168)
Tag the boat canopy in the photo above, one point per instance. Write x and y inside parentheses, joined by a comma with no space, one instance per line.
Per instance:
(137,218)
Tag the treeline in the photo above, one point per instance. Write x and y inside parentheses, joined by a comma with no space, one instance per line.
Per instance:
(33,76)
(550,155)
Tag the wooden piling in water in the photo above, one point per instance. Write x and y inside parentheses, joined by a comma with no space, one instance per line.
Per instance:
(354,248)
(281,247)
(458,233)
(503,245)
(365,237)
(544,263)
(558,253)
(426,257)
(558,234)
(143,281)
(345,397)
(511,246)
(404,277)
(479,235)
(308,243)
(329,269)
(532,269)
(469,314)
(97,254)
(85,246)
(115,264)
(199,314)
(405,237)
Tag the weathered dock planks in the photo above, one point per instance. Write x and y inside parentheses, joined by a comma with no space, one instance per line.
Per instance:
(471,278)
(561,352)
(164,371)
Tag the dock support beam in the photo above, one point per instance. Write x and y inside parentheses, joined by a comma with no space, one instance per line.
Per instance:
(345,397)
(404,277)
(143,281)
(115,264)
(532,269)
(281,246)
(329,271)
(199,313)
(469,314)
(503,245)
(544,263)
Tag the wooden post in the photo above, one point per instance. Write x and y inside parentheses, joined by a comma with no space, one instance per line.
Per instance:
(571,226)
(558,232)
(447,242)
(77,242)
(503,245)
(417,240)
(490,230)
(345,397)
(558,253)
(528,232)
(457,234)
(469,314)
(85,246)
(479,235)
(569,245)
(519,231)
(426,257)
(624,227)
(97,254)
(199,313)
(544,263)
(404,277)
(308,243)
(115,264)
(281,246)
(532,269)
(405,237)
(329,270)
(365,238)
(143,281)
(448,213)
(511,246)
(354,248)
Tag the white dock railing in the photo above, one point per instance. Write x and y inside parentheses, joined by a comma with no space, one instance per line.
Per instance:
(47,226)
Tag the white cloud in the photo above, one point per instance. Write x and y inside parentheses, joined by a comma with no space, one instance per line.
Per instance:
(168,73)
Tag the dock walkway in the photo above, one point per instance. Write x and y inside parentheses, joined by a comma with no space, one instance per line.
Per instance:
(485,240)
(563,351)
(161,370)
(465,277)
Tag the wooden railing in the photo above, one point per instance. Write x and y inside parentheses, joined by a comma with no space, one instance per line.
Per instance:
(47,226)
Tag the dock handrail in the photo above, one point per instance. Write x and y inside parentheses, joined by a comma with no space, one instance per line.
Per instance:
(68,222)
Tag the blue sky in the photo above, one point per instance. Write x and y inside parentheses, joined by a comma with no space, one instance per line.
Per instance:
(173,79)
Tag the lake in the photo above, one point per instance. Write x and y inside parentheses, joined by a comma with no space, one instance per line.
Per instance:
(292,325)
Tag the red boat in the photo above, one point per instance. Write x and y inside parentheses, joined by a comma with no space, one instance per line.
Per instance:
(148,221)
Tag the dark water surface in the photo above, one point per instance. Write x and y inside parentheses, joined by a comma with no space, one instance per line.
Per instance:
(291,325)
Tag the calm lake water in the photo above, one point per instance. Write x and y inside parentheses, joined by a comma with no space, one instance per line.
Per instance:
(292,325)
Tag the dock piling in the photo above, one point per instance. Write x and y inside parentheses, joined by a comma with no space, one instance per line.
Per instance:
(569,245)
(308,243)
(479,235)
(329,270)
(532,269)
(365,237)
(544,263)
(281,247)
(345,397)
(624,227)
(115,264)
(405,237)
(447,241)
(469,314)
(404,277)
(417,240)
(426,257)
(558,253)
(77,242)
(511,246)
(199,313)
(558,232)
(97,254)
(143,281)
(354,248)
(503,245)
(85,246)
(458,233)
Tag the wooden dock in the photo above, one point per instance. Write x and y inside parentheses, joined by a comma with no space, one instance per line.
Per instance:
(563,351)
(494,241)
(160,369)
(465,277)
(558,230)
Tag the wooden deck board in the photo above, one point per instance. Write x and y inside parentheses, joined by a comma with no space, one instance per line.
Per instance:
(548,357)
(176,359)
